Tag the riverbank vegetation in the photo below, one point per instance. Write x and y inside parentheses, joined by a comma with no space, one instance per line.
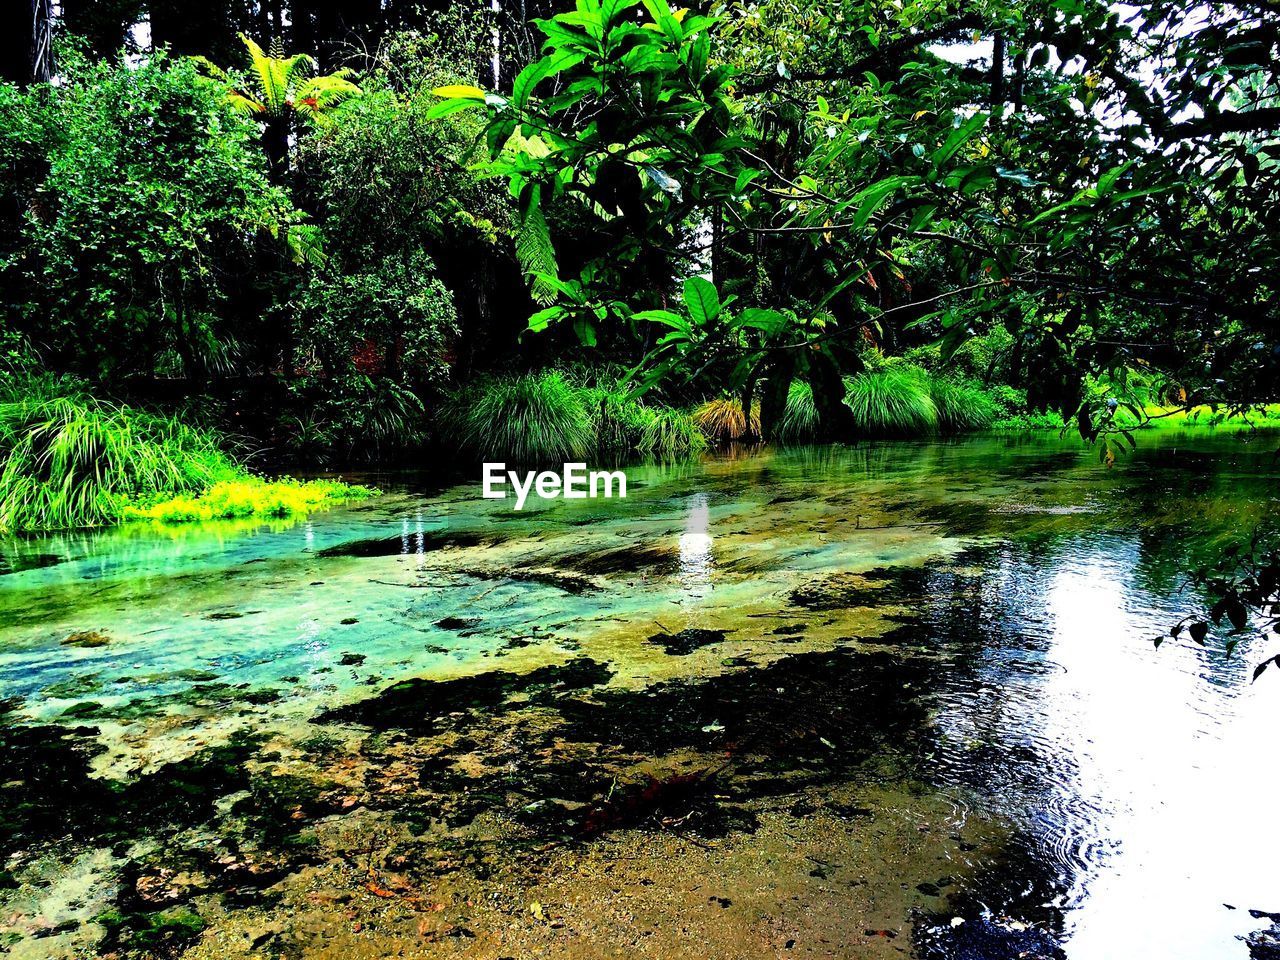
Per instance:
(71,460)
(639,231)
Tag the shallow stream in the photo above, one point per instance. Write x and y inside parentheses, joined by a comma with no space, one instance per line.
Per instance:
(889,700)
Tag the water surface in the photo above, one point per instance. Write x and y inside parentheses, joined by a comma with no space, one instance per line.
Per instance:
(897,699)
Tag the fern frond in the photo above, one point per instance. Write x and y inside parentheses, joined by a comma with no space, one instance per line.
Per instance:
(535,252)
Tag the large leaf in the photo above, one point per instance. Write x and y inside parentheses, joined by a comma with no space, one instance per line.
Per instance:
(959,137)
(534,250)
(538,71)
(701,300)
(459,91)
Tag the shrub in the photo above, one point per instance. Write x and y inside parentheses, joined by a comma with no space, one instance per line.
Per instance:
(71,461)
(722,421)
(531,418)
(618,420)
(671,434)
(984,357)
(152,196)
(370,345)
(893,402)
(961,405)
(799,423)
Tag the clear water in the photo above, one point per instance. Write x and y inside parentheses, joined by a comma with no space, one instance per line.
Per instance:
(1124,795)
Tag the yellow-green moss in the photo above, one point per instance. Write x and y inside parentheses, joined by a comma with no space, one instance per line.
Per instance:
(251,496)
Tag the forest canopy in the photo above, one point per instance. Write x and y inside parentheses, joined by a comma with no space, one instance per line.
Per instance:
(361,208)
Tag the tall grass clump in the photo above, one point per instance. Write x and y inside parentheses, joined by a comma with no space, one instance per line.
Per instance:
(531,418)
(800,422)
(722,420)
(72,461)
(670,435)
(892,402)
(961,405)
(619,421)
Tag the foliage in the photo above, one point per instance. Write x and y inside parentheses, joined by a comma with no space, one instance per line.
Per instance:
(369,346)
(71,461)
(249,496)
(894,402)
(279,85)
(280,88)
(367,173)
(800,422)
(961,404)
(671,435)
(722,420)
(526,419)
(1242,590)
(142,220)
(619,421)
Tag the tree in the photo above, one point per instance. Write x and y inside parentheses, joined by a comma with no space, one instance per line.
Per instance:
(829,181)
(280,91)
(144,202)
(26,50)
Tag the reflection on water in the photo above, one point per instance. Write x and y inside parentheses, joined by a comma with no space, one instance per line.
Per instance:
(979,612)
(695,549)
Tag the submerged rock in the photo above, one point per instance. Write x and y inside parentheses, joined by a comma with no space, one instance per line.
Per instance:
(685,642)
(399,545)
(423,706)
(87,638)
(456,623)
(1265,944)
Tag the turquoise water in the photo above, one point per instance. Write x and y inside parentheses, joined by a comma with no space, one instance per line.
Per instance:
(954,638)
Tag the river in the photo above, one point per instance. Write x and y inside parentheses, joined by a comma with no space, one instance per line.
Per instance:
(890,700)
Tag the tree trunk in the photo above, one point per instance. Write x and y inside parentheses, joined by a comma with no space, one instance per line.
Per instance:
(26,49)
(275,141)
(773,397)
(835,419)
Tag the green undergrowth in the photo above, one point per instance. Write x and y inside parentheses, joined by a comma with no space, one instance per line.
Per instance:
(73,461)
(552,417)
(1204,417)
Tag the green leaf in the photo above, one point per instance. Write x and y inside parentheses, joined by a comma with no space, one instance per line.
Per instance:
(544,318)
(534,249)
(538,71)
(873,196)
(702,300)
(446,107)
(459,91)
(959,137)
(767,321)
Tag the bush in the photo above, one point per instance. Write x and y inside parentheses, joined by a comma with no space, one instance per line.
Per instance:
(370,345)
(984,357)
(619,421)
(893,402)
(526,419)
(961,405)
(71,461)
(799,423)
(671,434)
(1011,411)
(152,194)
(722,421)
